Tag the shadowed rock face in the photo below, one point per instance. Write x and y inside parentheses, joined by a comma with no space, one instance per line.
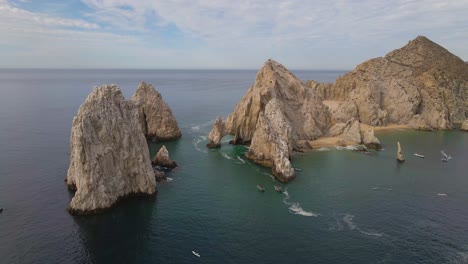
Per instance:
(109,156)
(275,114)
(156,118)
(421,84)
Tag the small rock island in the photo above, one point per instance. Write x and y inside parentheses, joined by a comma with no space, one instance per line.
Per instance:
(109,157)
(421,86)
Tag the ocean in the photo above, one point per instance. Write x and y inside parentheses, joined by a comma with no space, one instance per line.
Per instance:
(343,207)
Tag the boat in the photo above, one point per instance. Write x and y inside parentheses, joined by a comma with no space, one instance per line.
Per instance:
(261,188)
(278,188)
(445,157)
(195,253)
(400,158)
(419,155)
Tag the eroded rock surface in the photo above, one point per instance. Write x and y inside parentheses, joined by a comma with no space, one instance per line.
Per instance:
(216,134)
(156,118)
(464,125)
(109,156)
(162,159)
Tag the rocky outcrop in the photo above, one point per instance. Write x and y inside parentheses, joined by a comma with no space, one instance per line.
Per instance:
(156,118)
(109,156)
(277,101)
(162,159)
(400,154)
(464,125)
(159,176)
(421,84)
(216,134)
(370,140)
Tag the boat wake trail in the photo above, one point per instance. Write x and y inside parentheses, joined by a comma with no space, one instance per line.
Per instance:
(226,156)
(348,220)
(296,208)
(198,141)
(241,160)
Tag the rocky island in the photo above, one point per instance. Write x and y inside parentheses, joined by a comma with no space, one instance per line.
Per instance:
(109,157)
(421,86)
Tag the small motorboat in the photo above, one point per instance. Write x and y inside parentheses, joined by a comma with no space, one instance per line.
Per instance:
(445,157)
(261,188)
(195,253)
(278,188)
(419,155)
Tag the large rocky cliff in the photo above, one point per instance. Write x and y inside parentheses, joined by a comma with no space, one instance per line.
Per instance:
(109,156)
(156,118)
(273,116)
(421,84)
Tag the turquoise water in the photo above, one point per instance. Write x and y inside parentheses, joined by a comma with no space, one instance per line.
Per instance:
(343,207)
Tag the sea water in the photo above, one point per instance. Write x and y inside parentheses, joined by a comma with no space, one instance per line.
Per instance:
(343,207)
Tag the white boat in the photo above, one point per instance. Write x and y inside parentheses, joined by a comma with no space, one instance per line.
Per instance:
(446,157)
(195,253)
(419,155)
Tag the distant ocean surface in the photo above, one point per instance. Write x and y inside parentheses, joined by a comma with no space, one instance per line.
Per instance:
(343,207)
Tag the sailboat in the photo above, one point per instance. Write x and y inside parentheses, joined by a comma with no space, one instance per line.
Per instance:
(445,157)
(400,158)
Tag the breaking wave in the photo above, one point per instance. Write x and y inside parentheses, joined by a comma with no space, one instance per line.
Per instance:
(226,155)
(240,159)
(296,208)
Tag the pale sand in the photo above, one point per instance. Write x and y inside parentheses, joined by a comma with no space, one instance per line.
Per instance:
(332,141)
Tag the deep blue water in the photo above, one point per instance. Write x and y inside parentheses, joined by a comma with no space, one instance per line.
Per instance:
(343,207)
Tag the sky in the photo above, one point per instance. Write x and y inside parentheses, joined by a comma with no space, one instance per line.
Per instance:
(220,34)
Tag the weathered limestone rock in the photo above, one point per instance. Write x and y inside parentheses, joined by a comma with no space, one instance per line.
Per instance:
(109,156)
(421,84)
(352,131)
(291,106)
(162,159)
(271,145)
(370,140)
(464,125)
(216,134)
(399,154)
(156,118)
(342,111)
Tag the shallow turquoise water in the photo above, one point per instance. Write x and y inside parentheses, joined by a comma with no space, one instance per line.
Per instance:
(343,207)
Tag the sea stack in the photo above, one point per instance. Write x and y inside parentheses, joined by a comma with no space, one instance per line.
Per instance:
(156,118)
(400,158)
(216,134)
(162,159)
(421,85)
(275,114)
(109,157)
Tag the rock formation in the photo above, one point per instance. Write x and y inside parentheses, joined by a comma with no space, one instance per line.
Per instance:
(109,156)
(370,140)
(156,118)
(216,134)
(464,125)
(421,84)
(351,133)
(275,115)
(162,159)
(400,154)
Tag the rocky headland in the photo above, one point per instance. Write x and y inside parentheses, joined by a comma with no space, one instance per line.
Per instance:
(109,157)
(156,118)
(420,86)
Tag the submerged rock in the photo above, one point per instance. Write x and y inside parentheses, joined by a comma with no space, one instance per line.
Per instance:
(109,156)
(162,159)
(156,118)
(216,134)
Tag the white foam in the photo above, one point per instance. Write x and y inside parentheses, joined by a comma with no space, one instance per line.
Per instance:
(195,128)
(196,143)
(442,194)
(169,179)
(323,149)
(269,175)
(296,208)
(226,155)
(348,220)
(240,159)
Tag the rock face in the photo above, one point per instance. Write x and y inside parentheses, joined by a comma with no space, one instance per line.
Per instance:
(399,154)
(370,140)
(216,134)
(351,133)
(109,156)
(464,125)
(162,159)
(156,118)
(275,115)
(421,84)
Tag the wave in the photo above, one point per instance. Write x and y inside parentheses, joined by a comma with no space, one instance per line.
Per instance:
(441,194)
(226,155)
(195,128)
(241,160)
(269,175)
(323,149)
(348,220)
(296,208)
(169,179)
(196,143)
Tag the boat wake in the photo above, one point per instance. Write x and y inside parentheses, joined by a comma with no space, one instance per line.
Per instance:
(195,128)
(296,208)
(198,141)
(226,156)
(241,160)
(269,175)
(169,179)
(348,220)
